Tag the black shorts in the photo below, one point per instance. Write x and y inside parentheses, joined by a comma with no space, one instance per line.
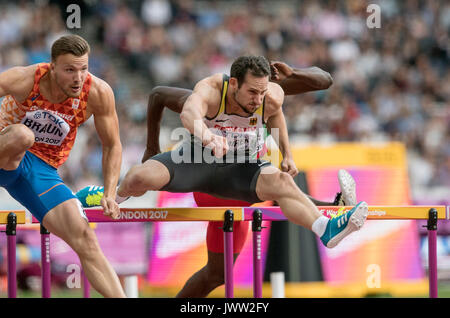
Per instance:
(235,180)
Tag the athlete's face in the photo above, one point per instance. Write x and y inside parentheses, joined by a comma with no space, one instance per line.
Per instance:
(70,73)
(251,93)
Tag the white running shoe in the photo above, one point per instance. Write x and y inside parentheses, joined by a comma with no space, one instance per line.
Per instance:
(348,187)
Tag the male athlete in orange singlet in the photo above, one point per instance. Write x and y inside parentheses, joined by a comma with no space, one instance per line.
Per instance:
(43,106)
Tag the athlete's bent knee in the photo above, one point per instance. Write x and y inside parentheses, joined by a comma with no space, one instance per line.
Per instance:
(150,176)
(136,181)
(16,139)
(20,138)
(278,185)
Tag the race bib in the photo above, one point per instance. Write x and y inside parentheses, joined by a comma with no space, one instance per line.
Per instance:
(242,141)
(48,128)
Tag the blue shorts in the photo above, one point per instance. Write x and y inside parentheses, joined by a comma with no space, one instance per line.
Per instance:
(36,185)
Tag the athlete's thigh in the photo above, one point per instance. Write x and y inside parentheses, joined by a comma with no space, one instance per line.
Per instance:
(150,175)
(273,183)
(185,175)
(67,220)
(37,186)
(14,141)
(238,180)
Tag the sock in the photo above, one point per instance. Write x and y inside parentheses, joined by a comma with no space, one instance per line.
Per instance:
(320,225)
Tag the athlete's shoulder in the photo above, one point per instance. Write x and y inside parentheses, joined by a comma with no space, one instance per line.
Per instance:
(99,89)
(209,87)
(213,81)
(18,81)
(275,95)
(101,95)
(23,73)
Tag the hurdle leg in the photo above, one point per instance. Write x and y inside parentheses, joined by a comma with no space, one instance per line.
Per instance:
(11,254)
(45,262)
(432,252)
(228,253)
(257,263)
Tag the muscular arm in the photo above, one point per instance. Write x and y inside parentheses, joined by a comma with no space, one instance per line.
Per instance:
(276,120)
(106,122)
(160,97)
(196,107)
(296,81)
(17,81)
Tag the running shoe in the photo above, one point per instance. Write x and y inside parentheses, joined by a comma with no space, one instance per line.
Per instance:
(344,223)
(92,195)
(348,188)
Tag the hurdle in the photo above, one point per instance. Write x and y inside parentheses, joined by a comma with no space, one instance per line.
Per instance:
(258,214)
(11,218)
(429,213)
(95,215)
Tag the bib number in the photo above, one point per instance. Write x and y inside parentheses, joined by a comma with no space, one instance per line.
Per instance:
(48,128)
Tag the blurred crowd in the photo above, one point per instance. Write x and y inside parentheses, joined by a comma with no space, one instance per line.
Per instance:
(390,83)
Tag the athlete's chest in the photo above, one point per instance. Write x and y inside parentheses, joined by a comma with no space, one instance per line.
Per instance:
(38,107)
(229,121)
(51,122)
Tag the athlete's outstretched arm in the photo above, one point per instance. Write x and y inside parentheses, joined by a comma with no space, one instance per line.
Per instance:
(159,98)
(101,102)
(296,81)
(276,126)
(277,121)
(195,108)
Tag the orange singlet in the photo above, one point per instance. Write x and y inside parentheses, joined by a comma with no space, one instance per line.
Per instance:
(54,125)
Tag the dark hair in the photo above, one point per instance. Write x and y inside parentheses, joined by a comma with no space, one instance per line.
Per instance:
(73,44)
(257,65)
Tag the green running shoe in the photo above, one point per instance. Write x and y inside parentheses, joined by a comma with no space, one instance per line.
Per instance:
(344,223)
(90,196)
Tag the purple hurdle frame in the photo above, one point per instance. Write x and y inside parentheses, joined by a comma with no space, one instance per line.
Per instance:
(432,252)
(257,253)
(228,260)
(11,254)
(45,262)
(228,253)
(46,267)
